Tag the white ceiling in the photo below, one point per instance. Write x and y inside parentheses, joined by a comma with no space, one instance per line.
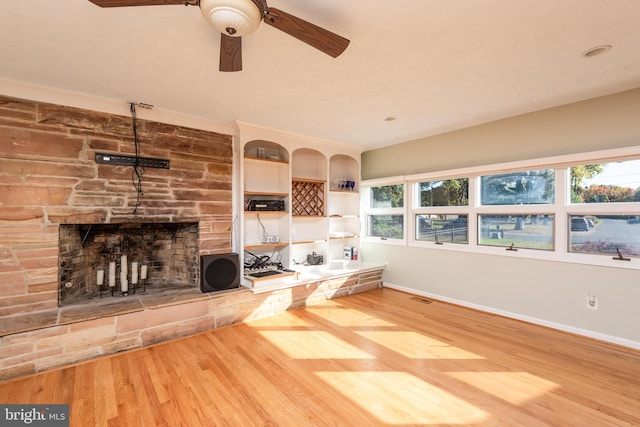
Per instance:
(434,65)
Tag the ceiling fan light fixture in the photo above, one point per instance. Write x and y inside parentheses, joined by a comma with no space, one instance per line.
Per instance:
(234,18)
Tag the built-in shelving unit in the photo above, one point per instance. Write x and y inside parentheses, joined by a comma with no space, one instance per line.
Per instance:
(266,196)
(309,222)
(314,194)
(344,206)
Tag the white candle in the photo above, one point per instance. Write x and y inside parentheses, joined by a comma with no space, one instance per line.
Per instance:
(134,273)
(123,264)
(112,274)
(100,277)
(143,272)
(124,283)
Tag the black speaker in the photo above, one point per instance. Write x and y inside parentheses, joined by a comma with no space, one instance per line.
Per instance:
(219,272)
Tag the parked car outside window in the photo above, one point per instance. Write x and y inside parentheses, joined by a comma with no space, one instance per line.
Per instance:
(579,224)
(460,222)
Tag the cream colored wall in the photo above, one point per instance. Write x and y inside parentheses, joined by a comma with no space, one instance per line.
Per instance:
(545,292)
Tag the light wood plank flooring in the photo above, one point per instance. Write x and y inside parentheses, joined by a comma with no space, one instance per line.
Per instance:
(378,358)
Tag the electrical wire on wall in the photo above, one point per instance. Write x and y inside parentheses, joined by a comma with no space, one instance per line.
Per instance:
(262,231)
(138,171)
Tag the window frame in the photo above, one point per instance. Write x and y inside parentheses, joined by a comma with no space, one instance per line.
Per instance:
(367,210)
(561,210)
(416,209)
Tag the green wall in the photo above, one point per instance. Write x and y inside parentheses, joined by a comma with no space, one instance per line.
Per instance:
(598,124)
(547,292)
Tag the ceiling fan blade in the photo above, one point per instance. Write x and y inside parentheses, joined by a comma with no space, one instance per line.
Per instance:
(122,3)
(230,53)
(323,40)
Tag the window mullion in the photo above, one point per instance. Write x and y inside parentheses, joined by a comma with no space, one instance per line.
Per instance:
(563,195)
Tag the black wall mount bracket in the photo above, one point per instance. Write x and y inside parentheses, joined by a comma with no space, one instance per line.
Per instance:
(119,159)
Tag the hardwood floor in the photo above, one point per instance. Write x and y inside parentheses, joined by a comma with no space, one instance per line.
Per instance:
(378,358)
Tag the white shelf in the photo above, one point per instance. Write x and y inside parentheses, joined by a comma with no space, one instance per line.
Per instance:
(265,245)
(334,224)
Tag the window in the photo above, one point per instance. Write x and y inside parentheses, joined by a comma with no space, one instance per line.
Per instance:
(385,212)
(449,192)
(441,228)
(440,213)
(616,182)
(605,235)
(518,224)
(385,226)
(522,231)
(581,208)
(388,196)
(605,216)
(519,188)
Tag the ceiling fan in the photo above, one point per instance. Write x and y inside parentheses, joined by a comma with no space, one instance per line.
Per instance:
(237,18)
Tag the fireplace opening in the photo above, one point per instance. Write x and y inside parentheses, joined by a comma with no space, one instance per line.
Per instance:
(107,260)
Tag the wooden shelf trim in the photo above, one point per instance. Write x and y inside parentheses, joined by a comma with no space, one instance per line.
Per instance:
(284,162)
(316,181)
(266,212)
(308,242)
(266,245)
(344,191)
(265,193)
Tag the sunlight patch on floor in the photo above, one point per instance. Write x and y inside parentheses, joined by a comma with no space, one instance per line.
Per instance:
(348,317)
(417,346)
(313,345)
(516,388)
(415,402)
(287,319)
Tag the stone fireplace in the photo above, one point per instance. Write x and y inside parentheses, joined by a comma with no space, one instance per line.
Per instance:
(61,212)
(167,252)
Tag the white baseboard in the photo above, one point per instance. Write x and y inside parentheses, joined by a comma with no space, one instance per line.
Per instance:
(561,327)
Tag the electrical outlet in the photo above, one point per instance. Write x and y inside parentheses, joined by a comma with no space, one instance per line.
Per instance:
(386,265)
(270,239)
(592,302)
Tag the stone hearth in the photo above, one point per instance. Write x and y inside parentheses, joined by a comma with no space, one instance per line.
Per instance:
(74,333)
